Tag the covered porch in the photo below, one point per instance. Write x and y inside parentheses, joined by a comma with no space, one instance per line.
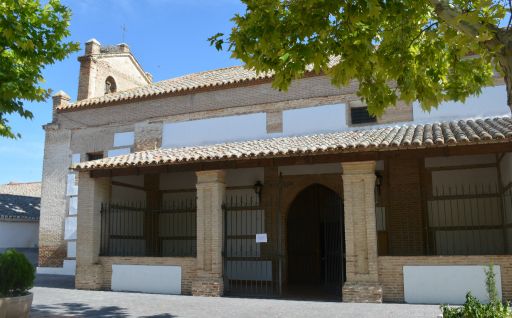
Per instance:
(359,216)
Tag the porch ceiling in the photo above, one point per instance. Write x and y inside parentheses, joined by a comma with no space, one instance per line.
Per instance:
(392,138)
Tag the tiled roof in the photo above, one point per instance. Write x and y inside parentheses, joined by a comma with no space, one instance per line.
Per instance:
(178,85)
(387,138)
(183,85)
(20,201)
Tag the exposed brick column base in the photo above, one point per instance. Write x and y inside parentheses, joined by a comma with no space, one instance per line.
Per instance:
(212,287)
(89,277)
(362,293)
(52,256)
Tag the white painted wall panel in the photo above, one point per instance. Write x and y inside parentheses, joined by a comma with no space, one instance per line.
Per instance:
(446,284)
(313,120)
(70,228)
(147,279)
(72,187)
(124,139)
(19,234)
(73,205)
(214,130)
(71,249)
(118,152)
(492,102)
(75,158)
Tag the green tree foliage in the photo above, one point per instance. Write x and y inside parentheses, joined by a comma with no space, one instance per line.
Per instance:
(16,274)
(425,50)
(473,308)
(32,35)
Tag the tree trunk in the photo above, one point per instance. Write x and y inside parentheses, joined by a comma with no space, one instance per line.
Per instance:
(505,61)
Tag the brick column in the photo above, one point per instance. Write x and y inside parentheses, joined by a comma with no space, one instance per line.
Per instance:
(92,192)
(362,281)
(210,194)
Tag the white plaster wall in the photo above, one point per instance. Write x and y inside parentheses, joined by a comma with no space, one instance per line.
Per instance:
(118,152)
(147,279)
(492,102)
(70,228)
(71,249)
(124,139)
(446,284)
(311,120)
(19,234)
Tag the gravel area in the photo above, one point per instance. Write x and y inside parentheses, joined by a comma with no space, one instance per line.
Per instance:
(54,297)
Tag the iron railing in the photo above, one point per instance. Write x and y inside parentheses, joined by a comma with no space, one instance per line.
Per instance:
(466,220)
(133,229)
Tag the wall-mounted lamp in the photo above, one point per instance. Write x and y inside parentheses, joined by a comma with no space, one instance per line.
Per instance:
(258,187)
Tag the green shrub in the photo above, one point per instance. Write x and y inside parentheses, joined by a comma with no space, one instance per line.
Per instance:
(16,274)
(473,308)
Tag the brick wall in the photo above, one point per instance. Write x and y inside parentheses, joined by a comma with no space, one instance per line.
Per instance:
(188,268)
(404,210)
(52,247)
(391,271)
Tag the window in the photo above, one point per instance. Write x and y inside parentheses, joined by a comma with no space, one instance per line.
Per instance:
(94,156)
(360,115)
(110,85)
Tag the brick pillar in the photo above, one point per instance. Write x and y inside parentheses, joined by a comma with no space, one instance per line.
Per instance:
(362,280)
(210,194)
(92,192)
(52,246)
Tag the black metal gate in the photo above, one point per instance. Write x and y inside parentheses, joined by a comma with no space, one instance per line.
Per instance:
(252,264)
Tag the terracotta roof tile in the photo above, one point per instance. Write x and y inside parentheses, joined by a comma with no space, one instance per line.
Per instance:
(385,138)
(183,84)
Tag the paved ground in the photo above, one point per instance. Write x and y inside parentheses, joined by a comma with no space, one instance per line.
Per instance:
(54,298)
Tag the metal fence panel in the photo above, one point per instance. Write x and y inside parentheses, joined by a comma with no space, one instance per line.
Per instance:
(133,229)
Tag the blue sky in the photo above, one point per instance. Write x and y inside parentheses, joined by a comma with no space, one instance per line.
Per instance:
(168,37)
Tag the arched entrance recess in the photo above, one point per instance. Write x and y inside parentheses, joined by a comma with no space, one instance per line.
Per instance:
(315,243)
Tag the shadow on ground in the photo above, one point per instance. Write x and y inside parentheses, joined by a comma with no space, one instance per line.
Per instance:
(82,310)
(55,281)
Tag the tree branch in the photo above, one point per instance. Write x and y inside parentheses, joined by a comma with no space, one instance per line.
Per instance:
(450,16)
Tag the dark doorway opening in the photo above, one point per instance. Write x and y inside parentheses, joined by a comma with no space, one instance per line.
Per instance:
(315,245)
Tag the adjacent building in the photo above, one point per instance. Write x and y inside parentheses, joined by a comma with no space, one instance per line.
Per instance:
(19,217)
(214,183)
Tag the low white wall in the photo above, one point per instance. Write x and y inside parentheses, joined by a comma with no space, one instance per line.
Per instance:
(19,234)
(446,284)
(147,279)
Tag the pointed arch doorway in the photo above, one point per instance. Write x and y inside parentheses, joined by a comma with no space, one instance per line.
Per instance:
(315,244)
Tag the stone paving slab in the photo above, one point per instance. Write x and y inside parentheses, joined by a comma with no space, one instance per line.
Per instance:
(61,302)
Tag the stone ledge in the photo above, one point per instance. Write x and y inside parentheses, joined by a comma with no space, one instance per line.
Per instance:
(362,293)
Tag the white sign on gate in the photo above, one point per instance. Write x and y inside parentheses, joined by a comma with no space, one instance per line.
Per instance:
(261,238)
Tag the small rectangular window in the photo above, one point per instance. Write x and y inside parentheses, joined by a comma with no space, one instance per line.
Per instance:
(360,115)
(94,156)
